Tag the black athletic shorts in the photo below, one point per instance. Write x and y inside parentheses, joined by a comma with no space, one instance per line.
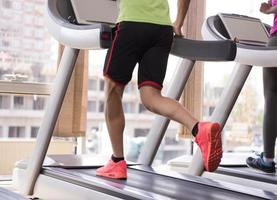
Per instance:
(143,43)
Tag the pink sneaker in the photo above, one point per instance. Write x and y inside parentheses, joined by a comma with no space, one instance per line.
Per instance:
(113,170)
(209,142)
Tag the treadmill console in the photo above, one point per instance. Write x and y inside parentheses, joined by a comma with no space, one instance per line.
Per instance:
(244,29)
(95,11)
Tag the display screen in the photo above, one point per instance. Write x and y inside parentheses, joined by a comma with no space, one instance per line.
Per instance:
(245,29)
(87,13)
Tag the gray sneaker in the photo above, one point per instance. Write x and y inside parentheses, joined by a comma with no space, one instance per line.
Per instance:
(259,164)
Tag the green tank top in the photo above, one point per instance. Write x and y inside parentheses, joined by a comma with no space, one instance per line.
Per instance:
(150,11)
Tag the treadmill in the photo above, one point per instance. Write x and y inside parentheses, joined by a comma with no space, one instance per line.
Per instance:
(233,167)
(251,55)
(73,177)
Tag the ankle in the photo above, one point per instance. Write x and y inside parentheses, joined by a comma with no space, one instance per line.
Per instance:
(116,159)
(268,160)
(194,130)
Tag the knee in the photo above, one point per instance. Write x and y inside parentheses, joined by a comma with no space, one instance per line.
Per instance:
(109,84)
(148,105)
(112,90)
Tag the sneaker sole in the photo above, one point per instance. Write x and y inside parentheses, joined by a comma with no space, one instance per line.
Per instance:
(215,148)
(110,175)
(260,171)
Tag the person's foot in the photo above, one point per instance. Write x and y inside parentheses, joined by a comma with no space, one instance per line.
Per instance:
(208,139)
(116,170)
(259,164)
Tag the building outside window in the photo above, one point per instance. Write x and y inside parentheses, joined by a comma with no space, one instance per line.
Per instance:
(92,106)
(142,108)
(7,4)
(102,85)
(16,132)
(141,132)
(129,107)
(101,106)
(18,102)
(38,103)
(92,84)
(26,48)
(34,131)
(5,102)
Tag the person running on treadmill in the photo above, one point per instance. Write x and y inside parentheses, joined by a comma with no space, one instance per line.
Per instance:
(265,161)
(144,35)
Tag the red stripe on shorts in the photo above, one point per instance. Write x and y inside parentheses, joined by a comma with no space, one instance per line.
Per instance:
(111,51)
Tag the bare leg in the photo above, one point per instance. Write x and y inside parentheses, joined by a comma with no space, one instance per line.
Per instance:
(155,102)
(114,116)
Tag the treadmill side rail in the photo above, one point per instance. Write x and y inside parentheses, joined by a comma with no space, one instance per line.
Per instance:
(54,105)
(204,50)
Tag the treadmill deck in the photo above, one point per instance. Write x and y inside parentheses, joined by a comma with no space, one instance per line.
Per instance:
(146,184)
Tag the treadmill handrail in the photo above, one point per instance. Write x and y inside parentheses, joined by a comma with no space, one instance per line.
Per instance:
(204,50)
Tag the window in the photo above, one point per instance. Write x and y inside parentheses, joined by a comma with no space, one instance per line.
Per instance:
(34,131)
(7,3)
(38,103)
(16,43)
(93,140)
(129,107)
(92,84)
(39,21)
(17,5)
(6,14)
(141,132)
(39,33)
(142,108)
(102,85)
(4,102)
(39,46)
(101,106)
(211,109)
(28,7)
(18,102)
(92,106)
(16,132)
(5,43)
(28,32)
(25,48)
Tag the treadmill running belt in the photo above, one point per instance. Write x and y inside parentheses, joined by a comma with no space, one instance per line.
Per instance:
(245,172)
(144,185)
